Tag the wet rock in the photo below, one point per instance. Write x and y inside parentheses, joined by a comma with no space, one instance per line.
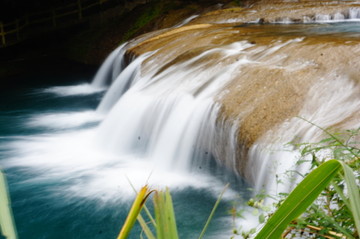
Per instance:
(280,67)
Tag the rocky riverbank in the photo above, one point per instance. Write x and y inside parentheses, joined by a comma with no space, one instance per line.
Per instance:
(287,71)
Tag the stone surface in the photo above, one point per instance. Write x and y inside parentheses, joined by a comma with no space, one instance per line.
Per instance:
(284,63)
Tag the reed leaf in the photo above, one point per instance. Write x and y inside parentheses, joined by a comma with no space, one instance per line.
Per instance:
(159,215)
(165,216)
(353,192)
(170,215)
(7,224)
(145,227)
(134,212)
(299,199)
(212,212)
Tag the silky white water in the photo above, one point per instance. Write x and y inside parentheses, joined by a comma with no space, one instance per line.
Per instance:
(58,171)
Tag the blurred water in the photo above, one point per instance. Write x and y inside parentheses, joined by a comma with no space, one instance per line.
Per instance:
(63,186)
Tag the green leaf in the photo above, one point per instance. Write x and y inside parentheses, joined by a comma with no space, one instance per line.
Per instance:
(212,212)
(7,224)
(165,216)
(299,199)
(159,215)
(170,215)
(353,192)
(134,212)
(326,140)
(145,227)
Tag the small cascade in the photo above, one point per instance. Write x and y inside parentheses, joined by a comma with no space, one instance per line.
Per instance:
(168,112)
(111,68)
(331,15)
(163,116)
(186,21)
(354,13)
(122,82)
(191,108)
(349,15)
(182,108)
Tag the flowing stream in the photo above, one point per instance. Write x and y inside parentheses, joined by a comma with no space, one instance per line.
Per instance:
(64,183)
(72,153)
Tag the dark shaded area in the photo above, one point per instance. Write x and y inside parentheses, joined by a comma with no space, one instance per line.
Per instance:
(13,9)
(40,56)
(35,72)
(87,43)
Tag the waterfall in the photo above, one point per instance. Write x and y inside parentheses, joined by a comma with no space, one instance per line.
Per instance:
(350,14)
(162,116)
(111,68)
(168,112)
(191,108)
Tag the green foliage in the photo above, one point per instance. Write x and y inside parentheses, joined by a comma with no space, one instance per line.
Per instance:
(7,225)
(299,199)
(154,10)
(164,223)
(326,210)
(237,2)
(212,212)
(325,202)
(165,216)
(334,210)
(354,196)
(134,212)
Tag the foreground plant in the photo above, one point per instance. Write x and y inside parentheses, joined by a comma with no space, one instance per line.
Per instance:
(327,202)
(7,224)
(164,221)
(305,194)
(134,212)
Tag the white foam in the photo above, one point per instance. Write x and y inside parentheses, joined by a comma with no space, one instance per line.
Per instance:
(82,89)
(186,21)
(93,173)
(63,120)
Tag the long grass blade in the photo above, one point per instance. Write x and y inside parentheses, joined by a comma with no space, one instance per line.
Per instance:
(299,199)
(165,216)
(144,207)
(159,215)
(148,214)
(7,224)
(145,227)
(353,192)
(134,212)
(350,149)
(213,212)
(170,215)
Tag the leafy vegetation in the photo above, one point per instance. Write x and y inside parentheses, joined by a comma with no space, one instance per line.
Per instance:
(7,225)
(164,221)
(153,11)
(326,203)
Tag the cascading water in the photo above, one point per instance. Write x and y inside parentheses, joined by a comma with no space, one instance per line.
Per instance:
(160,116)
(179,115)
(111,68)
